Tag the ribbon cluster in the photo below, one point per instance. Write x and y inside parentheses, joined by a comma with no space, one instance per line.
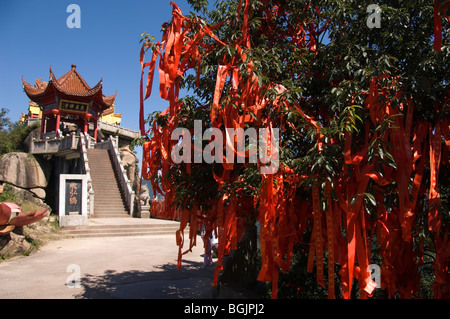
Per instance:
(343,228)
(441,9)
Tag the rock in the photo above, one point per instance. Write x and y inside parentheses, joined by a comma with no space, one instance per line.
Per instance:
(38,192)
(36,133)
(24,170)
(18,242)
(28,196)
(13,245)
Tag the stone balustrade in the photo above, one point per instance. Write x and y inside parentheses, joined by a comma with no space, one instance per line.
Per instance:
(55,145)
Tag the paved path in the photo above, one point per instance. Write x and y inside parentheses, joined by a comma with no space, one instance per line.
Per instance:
(115,267)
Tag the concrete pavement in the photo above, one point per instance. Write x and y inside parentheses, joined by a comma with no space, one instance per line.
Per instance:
(111,267)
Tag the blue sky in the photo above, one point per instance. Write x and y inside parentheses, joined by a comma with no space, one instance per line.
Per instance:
(34,36)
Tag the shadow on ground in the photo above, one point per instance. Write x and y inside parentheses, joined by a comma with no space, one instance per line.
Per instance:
(192,281)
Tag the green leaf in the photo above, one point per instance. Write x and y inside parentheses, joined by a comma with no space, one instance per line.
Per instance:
(371,198)
(353,200)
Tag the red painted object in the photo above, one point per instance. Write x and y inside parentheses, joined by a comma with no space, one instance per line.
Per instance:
(7,224)
(6,210)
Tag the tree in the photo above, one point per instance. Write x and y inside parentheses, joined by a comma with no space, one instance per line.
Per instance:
(12,134)
(363,149)
(4,121)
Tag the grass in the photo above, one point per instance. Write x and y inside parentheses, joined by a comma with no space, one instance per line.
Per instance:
(8,195)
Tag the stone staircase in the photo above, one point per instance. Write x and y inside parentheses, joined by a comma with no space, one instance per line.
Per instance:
(108,198)
(109,204)
(119,227)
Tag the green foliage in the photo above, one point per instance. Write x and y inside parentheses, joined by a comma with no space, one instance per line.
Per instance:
(12,134)
(8,195)
(4,121)
(331,86)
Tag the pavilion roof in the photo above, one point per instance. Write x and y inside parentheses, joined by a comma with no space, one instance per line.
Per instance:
(70,85)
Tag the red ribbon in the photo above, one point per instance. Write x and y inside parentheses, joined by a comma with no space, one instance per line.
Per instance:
(281,213)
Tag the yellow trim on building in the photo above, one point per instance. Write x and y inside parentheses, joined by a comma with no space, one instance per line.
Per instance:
(108,115)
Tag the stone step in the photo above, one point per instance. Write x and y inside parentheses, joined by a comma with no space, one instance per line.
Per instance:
(106,187)
(109,213)
(108,198)
(109,175)
(109,210)
(106,215)
(99,212)
(109,207)
(153,233)
(124,230)
(111,194)
(119,226)
(112,187)
(106,173)
(111,204)
(108,201)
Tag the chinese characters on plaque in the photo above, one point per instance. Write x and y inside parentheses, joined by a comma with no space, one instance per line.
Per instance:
(73,106)
(73,197)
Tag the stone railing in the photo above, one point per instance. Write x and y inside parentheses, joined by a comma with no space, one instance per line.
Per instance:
(114,128)
(85,145)
(55,145)
(124,183)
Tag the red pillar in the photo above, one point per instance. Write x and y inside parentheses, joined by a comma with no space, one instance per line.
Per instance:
(58,122)
(95,130)
(86,126)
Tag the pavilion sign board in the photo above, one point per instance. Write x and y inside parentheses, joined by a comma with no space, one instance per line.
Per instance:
(73,106)
(73,198)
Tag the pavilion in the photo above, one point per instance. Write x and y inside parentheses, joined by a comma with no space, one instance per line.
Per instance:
(68,99)
(80,134)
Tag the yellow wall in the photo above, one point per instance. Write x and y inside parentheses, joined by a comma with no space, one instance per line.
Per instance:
(33,109)
(111,118)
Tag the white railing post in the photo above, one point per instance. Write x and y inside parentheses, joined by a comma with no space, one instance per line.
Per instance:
(84,140)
